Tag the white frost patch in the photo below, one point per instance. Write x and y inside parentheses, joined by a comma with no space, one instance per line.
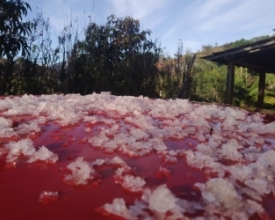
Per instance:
(260,186)
(99,162)
(127,181)
(267,159)
(15,149)
(43,154)
(240,172)
(118,161)
(26,128)
(132,183)
(6,129)
(47,197)
(26,148)
(162,200)
(81,172)
(230,150)
(220,193)
(118,208)
(256,207)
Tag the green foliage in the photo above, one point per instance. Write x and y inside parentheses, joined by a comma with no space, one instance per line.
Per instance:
(269,98)
(209,81)
(239,43)
(115,57)
(13,39)
(12,29)
(243,41)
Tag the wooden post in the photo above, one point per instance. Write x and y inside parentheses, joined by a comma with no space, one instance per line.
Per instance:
(229,83)
(261,88)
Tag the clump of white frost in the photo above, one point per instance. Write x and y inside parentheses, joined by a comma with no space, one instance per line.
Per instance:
(48,196)
(127,181)
(26,148)
(99,162)
(162,200)
(132,183)
(43,154)
(15,149)
(118,207)
(220,193)
(267,159)
(240,172)
(26,128)
(6,129)
(81,172)
(229,150)
(118,161)
(259,185)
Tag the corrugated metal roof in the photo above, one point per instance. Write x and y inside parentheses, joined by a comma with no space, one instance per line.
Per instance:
(259,55)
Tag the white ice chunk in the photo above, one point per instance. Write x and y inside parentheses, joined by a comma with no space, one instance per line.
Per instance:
(240,172)
(200,160)
(118,207)
(162,200)
(229,123)
(26,128)
(170,159)
(230,150)
(221,193)
(118,161)
(259,185)
(158,144)
(81,172)
(205,148)
(138,210)
(99,162)
(88,129)
(267,159)
(96,141)
(132,183)
(254,206)
(47,197)
(6,129)
(43,154)
(139,134)
(15,149)
(119,172)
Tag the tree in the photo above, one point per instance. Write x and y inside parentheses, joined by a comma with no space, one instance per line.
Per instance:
(116,57)
(12,29)
(13,39)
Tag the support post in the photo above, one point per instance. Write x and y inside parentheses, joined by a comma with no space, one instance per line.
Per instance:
(229,83)
(261,88)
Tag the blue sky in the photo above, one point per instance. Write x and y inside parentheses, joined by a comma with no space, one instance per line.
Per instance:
(195,22)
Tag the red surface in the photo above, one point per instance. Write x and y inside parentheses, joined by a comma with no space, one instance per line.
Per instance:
(21,186)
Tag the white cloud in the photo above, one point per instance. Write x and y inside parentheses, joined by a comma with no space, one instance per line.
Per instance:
(139,9)
(237,16)
(210,8)
(149,11)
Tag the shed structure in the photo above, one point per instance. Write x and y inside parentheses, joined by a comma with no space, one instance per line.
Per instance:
(259,56)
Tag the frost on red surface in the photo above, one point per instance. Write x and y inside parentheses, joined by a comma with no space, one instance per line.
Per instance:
(81,172)
(151,159)
(48,197)
(163,173)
